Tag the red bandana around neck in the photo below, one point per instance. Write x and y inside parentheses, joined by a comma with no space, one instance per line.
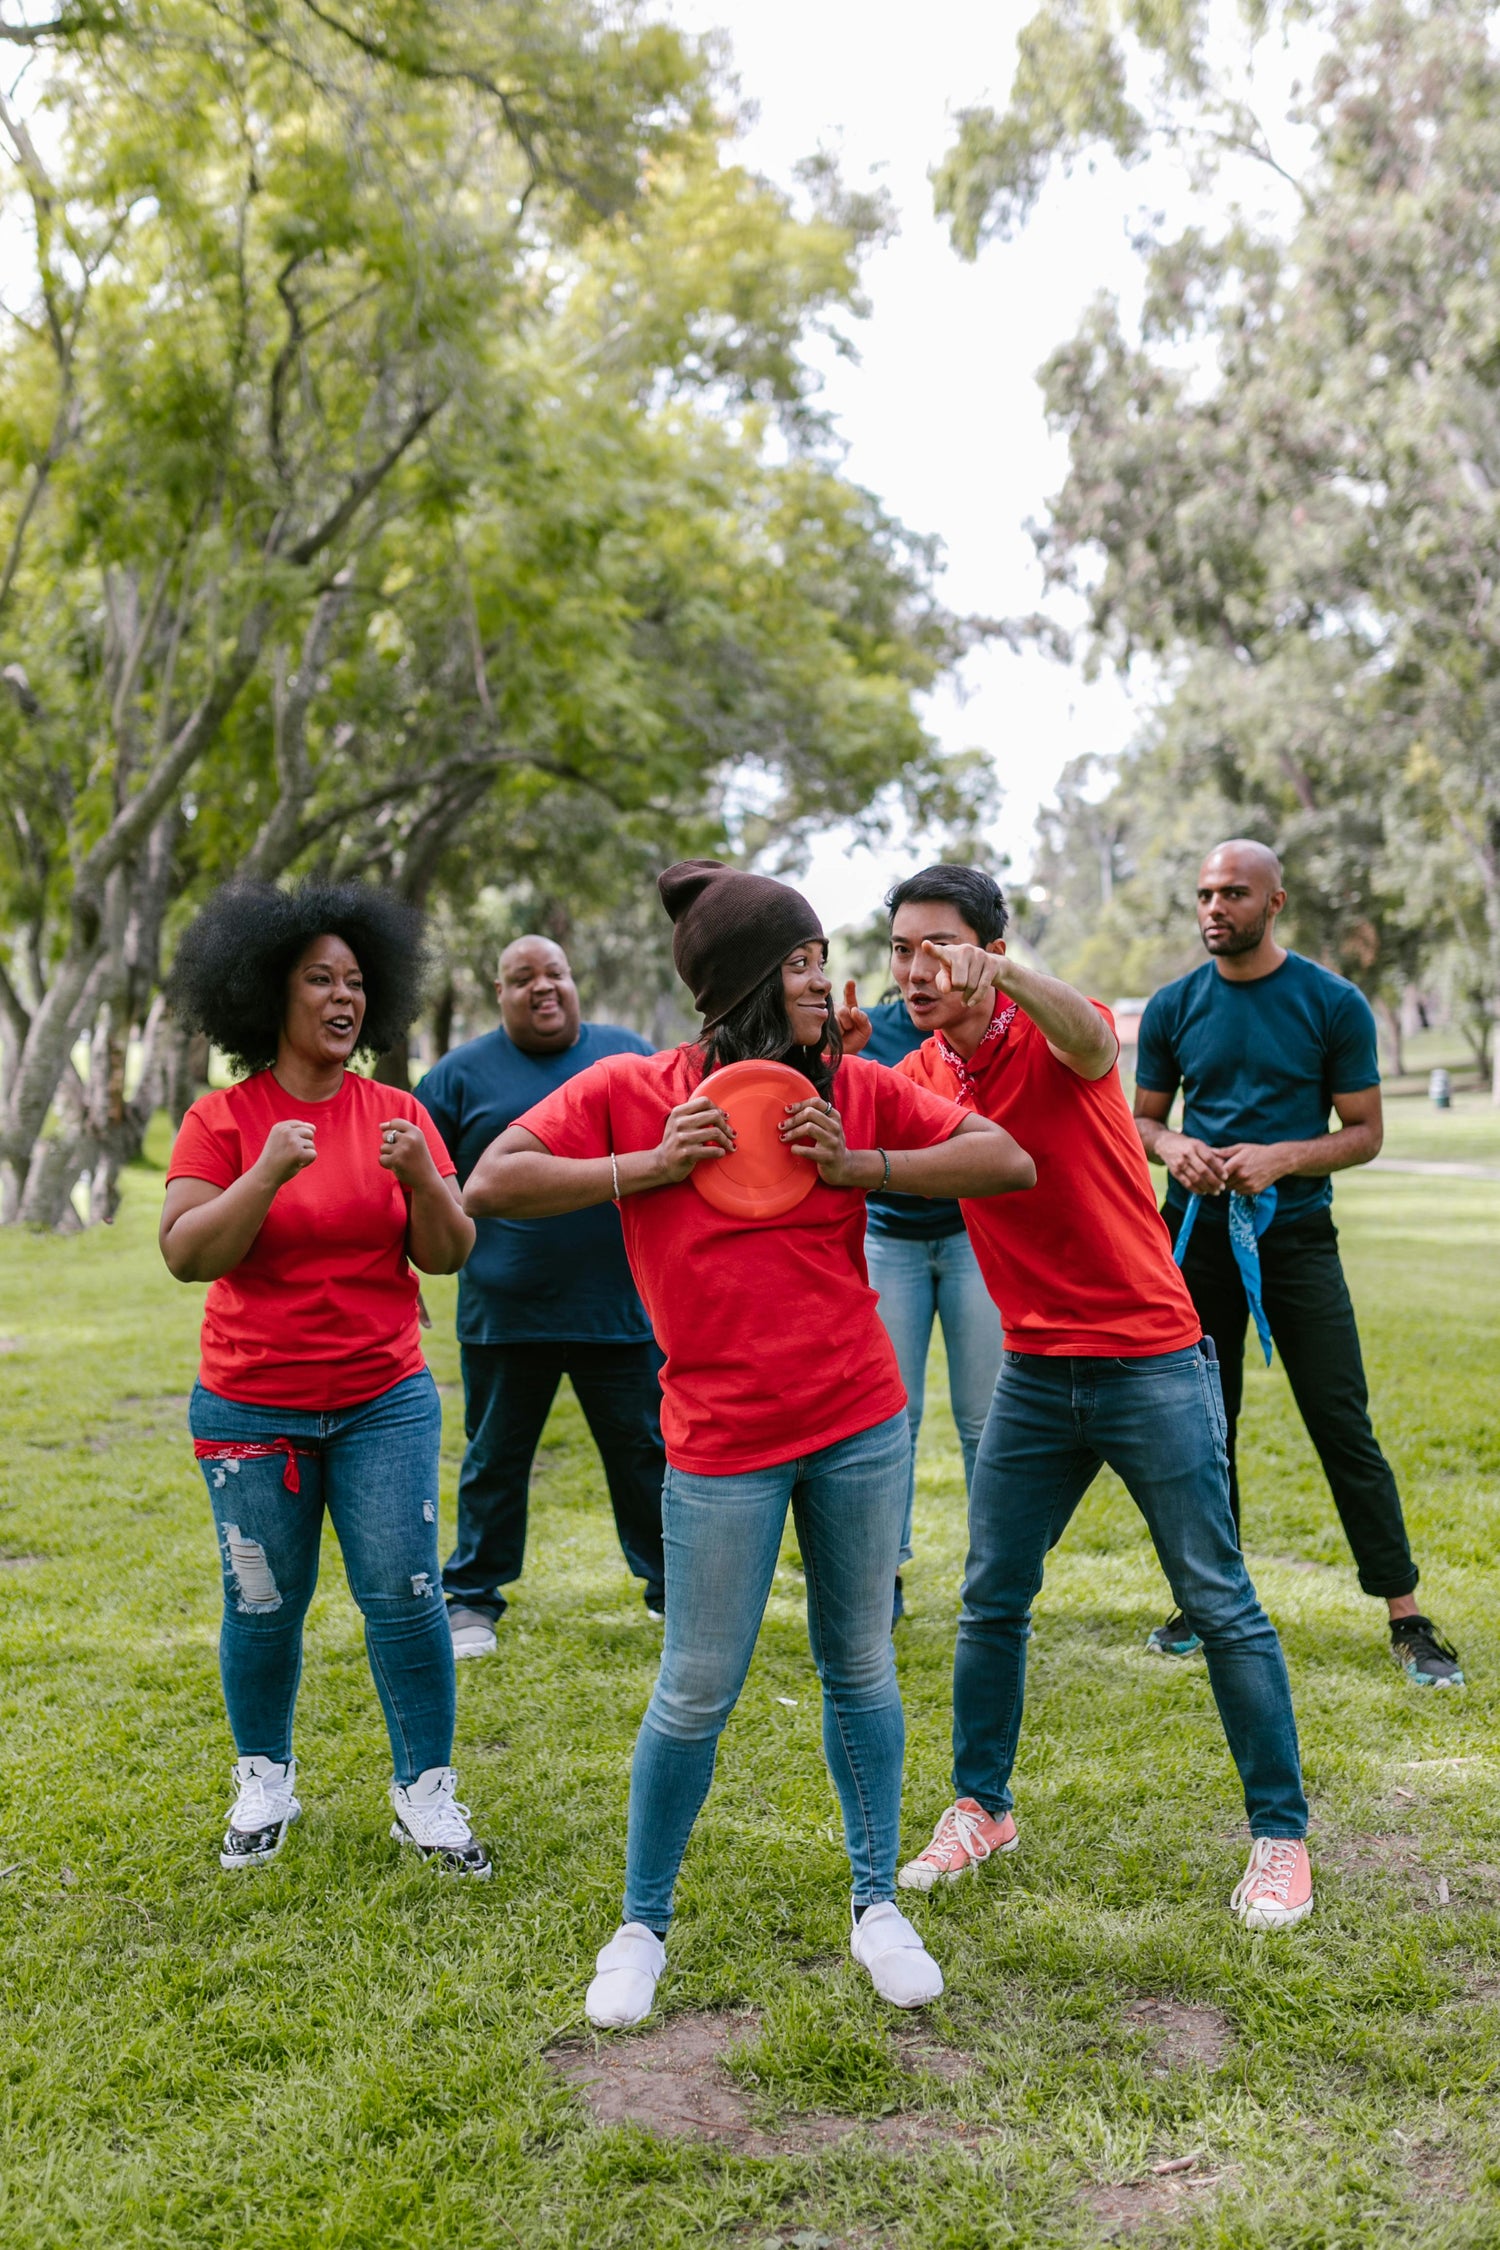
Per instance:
(966,1069)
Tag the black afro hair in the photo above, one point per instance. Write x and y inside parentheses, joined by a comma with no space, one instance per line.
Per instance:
(229,977)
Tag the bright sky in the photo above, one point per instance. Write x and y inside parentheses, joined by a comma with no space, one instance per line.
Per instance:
(941,415)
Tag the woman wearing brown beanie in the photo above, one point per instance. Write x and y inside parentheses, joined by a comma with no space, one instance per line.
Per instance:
(780,1385)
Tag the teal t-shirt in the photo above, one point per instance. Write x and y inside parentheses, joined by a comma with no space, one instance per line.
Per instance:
(533,1281)
(1258,1062)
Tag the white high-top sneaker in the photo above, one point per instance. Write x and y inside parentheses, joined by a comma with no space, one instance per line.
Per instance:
(429,1815)
(263,1810)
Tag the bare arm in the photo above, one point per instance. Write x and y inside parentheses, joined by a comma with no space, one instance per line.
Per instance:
(1071,1025)
(979,1158)
(1249,1167)
(1193,1164)
(518,1177)
(205,1230)
(439,1232)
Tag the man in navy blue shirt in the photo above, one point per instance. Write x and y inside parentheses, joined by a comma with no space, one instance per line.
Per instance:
(923,1267)
(1263,1043)
(540,1299)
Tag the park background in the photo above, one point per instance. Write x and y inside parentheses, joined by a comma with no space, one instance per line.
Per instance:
(466,447)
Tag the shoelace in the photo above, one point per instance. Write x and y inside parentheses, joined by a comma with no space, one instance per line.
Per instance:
(443,1821)
(959,1827)
(1273,1863)
(256,1806)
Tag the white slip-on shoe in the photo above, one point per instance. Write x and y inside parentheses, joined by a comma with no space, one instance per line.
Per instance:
(429,1815)
(263,1810)
(625,1976)
(473,1632)
(900,1966)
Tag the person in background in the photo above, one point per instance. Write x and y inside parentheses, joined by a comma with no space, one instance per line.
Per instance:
(540,1299)
(780,1385)
(303,1196)
(1105,1365)
(1263,1042)
(923,1265)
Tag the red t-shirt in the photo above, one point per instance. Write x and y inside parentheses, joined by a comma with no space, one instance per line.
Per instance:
(322,1312)
(774,1346)
(1081,1267)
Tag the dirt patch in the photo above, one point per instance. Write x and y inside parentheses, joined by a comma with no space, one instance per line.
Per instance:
(1186,2035)
(672,2081)
(1124,2205)
(21,1562)
(10,1343)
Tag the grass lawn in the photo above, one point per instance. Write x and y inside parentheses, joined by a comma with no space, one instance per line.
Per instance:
(344,2050)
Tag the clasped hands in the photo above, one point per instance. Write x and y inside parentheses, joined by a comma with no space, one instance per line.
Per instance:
(1244,1168)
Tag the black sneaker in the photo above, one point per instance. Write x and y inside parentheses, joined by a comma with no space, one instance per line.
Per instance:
(1423,1655)
(655,1599)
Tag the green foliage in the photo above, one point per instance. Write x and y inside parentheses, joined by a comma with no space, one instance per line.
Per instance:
(409,466)
(342,2050)
(1283,493)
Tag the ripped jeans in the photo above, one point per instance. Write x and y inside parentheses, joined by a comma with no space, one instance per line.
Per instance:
(374,1468)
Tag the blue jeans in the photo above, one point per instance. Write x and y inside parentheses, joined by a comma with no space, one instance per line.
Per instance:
(375,1469)
(722,1536)
(920,1281)
(1159,1424)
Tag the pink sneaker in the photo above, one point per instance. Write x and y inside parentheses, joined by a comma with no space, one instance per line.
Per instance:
(1276,1889)
(964,1837)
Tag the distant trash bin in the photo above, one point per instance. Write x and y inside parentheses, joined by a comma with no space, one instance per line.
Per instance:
(1440,1089)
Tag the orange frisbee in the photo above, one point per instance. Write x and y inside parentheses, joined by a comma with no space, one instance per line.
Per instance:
(763,1178)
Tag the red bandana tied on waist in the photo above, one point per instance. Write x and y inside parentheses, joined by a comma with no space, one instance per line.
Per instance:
(236,1449)
(966,1069)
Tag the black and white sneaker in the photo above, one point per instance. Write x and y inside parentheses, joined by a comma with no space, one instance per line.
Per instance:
(263,1810)
(429,1815)
(1423,1655)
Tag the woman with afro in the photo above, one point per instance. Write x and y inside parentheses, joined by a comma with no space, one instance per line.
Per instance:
(304,1195)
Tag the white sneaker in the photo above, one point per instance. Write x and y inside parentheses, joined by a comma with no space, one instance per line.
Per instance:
(625,1976)
(473,1632)
(263,1810)
(901,1968)
(429,1815)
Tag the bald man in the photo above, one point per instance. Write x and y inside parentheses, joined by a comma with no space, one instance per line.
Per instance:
(1263,1042)
(540,1299)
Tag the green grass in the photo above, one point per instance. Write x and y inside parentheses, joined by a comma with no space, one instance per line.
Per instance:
(1467,1133)
(342,2051)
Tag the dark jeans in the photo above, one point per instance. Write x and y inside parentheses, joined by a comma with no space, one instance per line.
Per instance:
(1312,1326)
(1159,1425)
(374,1470)
(508,1394)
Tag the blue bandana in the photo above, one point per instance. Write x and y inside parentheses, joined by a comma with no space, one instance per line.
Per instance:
(1249,1217)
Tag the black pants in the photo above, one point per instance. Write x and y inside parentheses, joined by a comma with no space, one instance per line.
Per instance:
(508,1394)
(1307,1303)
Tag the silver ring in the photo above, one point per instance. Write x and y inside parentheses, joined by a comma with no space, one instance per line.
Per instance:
(828,1109)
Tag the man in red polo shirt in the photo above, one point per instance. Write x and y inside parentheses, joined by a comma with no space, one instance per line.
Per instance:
(1104,1363)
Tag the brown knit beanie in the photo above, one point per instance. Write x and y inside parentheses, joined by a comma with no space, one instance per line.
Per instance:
(732,930)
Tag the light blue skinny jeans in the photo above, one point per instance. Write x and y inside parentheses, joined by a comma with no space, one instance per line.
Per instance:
(920,1282)
(722,1536)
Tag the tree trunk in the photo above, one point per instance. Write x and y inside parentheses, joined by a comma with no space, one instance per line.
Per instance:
(394,1066)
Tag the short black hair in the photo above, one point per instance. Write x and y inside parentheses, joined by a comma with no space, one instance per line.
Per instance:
(977,896)
(229,976)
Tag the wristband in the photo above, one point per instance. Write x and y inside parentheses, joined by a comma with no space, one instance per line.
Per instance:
(885,1160)
(614,1173)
